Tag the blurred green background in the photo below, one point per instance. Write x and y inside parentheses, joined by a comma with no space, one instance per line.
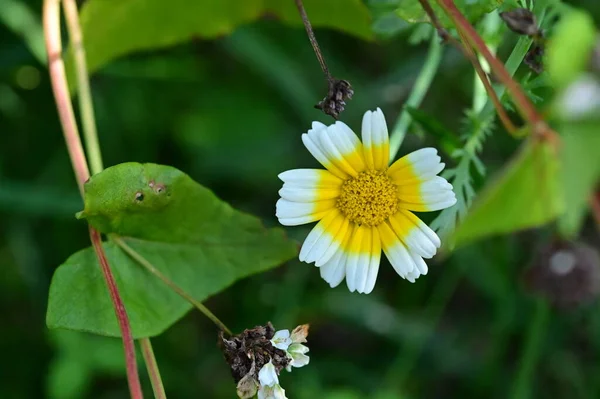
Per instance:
(229,112)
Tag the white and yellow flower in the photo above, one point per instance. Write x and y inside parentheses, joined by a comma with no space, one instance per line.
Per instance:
(363,204)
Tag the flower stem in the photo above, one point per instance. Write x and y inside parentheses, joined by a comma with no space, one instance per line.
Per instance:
(313,40)
(61,93)
(60,89)
(83,86)
(132,373)
(152,366)
(150,267)
(415,98)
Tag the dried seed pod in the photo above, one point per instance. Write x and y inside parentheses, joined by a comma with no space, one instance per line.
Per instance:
(566,272)
(333,104)
(521,21)
(247,352)
(533,58)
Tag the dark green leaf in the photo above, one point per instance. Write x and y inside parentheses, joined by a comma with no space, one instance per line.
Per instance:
(525,195)
(183,229)
(109,31)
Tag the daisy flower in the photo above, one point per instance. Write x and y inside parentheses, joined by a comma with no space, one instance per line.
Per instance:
(363,204)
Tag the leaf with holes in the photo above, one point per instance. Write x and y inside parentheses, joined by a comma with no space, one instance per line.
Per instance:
(194,239)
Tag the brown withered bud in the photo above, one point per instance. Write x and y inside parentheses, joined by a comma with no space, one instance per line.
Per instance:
(333,104)
(533,58)
(521,21)
(247,353)
(567,273)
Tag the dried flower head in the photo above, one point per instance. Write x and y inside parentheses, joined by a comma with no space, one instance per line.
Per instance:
(333,104)
(257,356)
(566,272)
(521,21)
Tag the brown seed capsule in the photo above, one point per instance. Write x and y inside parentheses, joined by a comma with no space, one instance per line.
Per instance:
(533,58)
(333,104)
(566,272)
(248,352)
(521,21)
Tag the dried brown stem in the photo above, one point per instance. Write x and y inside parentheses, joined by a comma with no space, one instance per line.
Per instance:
(313,40)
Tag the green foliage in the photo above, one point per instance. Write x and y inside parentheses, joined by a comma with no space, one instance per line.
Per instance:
(80,356)
(479,128)
(108,30)
(570,47)
(411,10)
(180,227)
(525,195)
(580,171)
(448,140)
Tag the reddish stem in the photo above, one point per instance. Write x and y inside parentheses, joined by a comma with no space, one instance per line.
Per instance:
(525,106)
(132,373)
(67,118)
(63,100)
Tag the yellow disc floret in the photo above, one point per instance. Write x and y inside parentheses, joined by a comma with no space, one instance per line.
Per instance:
(368,199)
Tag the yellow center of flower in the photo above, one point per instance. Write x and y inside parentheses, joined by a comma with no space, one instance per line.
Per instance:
(369,199)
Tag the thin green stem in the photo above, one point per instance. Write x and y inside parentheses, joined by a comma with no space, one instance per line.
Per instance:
(153,371)
(417,94)
(83,86)
(531,351)
(150,267)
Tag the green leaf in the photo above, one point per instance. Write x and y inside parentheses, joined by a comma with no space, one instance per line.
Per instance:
(580,171)
(412,11)
(112,28)
(194,239)
(525,195)
(570,47)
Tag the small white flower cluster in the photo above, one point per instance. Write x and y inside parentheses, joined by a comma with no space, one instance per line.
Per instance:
(296,353)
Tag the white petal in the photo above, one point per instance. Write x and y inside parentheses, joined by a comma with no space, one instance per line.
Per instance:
(313,145)
(281,339)
(319,242)
(400,259)
(334,271)
(331,144)
(374,263)
(336,242)
(297,221)
(299,359)
(301,194)
(357,260)
(416,167)
(267,376)
(310,178)
(367,138)
(420,263)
